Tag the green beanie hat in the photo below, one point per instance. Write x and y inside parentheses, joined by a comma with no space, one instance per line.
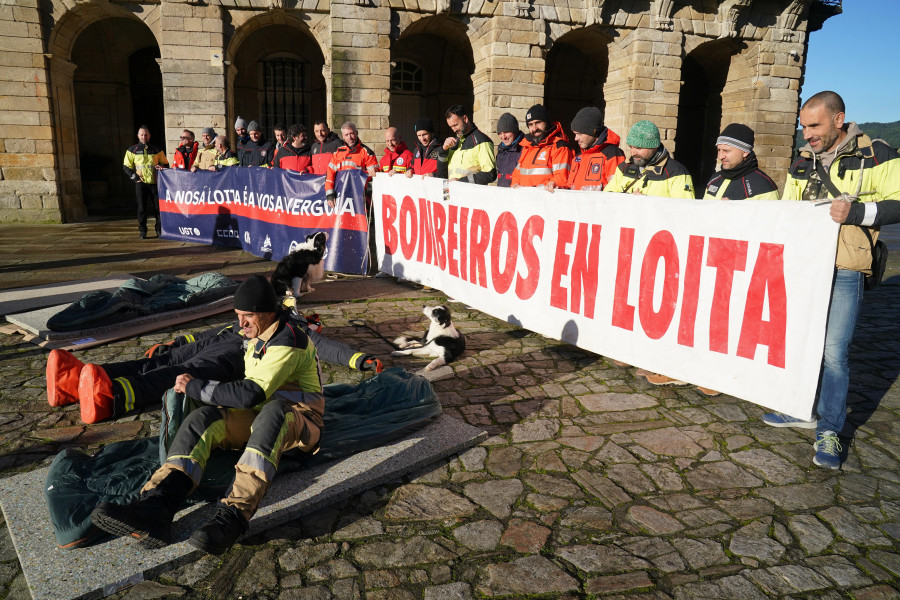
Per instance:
(644,134)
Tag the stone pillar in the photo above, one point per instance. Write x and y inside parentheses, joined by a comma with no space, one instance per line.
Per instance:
(361,68)
(28,171)
(62,74)
(509,66)
(644,82)
(193,71)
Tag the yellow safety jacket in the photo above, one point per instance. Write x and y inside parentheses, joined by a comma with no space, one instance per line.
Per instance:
(141,161)
(667,178)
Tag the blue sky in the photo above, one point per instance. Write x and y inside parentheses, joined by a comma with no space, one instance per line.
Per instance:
(855,55)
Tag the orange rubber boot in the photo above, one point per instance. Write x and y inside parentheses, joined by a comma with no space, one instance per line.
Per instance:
(95,393)
(63,370)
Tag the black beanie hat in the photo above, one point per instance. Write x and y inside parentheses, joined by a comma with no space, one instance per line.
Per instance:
(256,294)
(588,120)
(537,113)
(507,124)
(424,124)
(737,135)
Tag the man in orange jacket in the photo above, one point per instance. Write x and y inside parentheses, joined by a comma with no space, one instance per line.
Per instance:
(600,153)
(546,156)
(352,155)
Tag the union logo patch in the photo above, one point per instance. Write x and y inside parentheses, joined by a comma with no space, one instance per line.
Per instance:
(595,168)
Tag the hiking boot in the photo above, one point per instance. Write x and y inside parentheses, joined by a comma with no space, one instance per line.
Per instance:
(149,519)
(63,370)
(220,533)
(657,379)
(777,419)
(95,393)
(828,450)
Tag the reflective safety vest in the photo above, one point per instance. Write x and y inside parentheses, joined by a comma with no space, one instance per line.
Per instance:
(668,178)
(551,158)
(141,159)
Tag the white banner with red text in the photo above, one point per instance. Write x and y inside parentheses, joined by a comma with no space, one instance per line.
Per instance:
(731,296)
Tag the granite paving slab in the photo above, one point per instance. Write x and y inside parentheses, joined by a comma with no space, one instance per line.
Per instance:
(24,299)
(35,323)
(99,570)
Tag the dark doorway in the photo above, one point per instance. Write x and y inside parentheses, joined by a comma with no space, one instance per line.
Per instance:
(429,73)
(575,73)
(117,86)
(703,75)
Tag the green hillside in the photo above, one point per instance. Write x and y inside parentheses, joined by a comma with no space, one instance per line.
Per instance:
(889,132)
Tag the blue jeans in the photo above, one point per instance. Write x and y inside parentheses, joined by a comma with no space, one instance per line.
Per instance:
(846,297)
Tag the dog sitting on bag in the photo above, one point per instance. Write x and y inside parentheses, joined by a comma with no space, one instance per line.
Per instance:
(302,267)
(441,340)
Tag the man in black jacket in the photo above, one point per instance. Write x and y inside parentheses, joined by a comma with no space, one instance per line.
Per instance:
(258,152)
(510,148)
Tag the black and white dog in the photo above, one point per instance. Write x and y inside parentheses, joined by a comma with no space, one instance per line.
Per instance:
(302,267)
(442,340)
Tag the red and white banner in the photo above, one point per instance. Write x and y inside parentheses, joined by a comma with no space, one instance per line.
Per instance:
(728,295)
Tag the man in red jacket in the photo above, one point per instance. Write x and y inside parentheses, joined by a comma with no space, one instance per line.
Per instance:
(352,155)
(425,159)
(186,153)
(323,147)
(600,152)
(295,154)
(397,158)
(546,156)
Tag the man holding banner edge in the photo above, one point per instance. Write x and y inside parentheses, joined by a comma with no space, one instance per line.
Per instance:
(862,177)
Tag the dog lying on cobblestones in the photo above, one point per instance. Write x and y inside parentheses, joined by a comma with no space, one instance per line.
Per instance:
(441,340)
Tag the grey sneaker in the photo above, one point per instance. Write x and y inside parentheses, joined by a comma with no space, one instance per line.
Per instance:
(828,450)
(777,419)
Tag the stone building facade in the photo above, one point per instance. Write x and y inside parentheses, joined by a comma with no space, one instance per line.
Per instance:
(78,76)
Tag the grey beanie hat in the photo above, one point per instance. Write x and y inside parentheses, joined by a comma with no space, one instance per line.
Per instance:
(256,294)
(240,123)
(588,120)
(253,126)
(209,131)
(738,136)
(643,134)
(507,123)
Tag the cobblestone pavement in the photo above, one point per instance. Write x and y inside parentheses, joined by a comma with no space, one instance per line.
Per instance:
(592,484)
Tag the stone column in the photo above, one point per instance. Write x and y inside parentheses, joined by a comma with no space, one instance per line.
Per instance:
(28,170)
(193,71)
(644,82)
(509,65)
(361,68)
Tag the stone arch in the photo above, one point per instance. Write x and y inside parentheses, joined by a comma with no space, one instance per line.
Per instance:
(273,73)
(576,68)
(704,73)
(98,52)
(440,46)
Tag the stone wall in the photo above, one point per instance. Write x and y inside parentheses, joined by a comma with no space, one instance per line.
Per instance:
(759,52)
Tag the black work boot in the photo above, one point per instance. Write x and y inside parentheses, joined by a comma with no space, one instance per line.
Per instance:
(149,519)
(221,532)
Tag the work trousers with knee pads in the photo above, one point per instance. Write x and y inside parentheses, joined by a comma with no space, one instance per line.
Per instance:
(264,433)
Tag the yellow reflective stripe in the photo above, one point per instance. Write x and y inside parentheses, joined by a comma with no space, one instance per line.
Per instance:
(353,360)
(190,338)
(129,393)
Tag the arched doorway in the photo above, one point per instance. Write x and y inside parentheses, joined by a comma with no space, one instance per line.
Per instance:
(704,72)
(117,86)
(431,69)
(276,77)
(575,72)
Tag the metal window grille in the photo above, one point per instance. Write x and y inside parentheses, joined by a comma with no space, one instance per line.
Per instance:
(283,100)
(406,77)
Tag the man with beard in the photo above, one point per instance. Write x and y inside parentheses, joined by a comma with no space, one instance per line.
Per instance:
(241,136)
(294,155)
(862,178)
(425,158)
(739,177)
(323,147)
(186,153)
(600,153)
(650,170)
(546,156)
(352,155)
(469,155)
